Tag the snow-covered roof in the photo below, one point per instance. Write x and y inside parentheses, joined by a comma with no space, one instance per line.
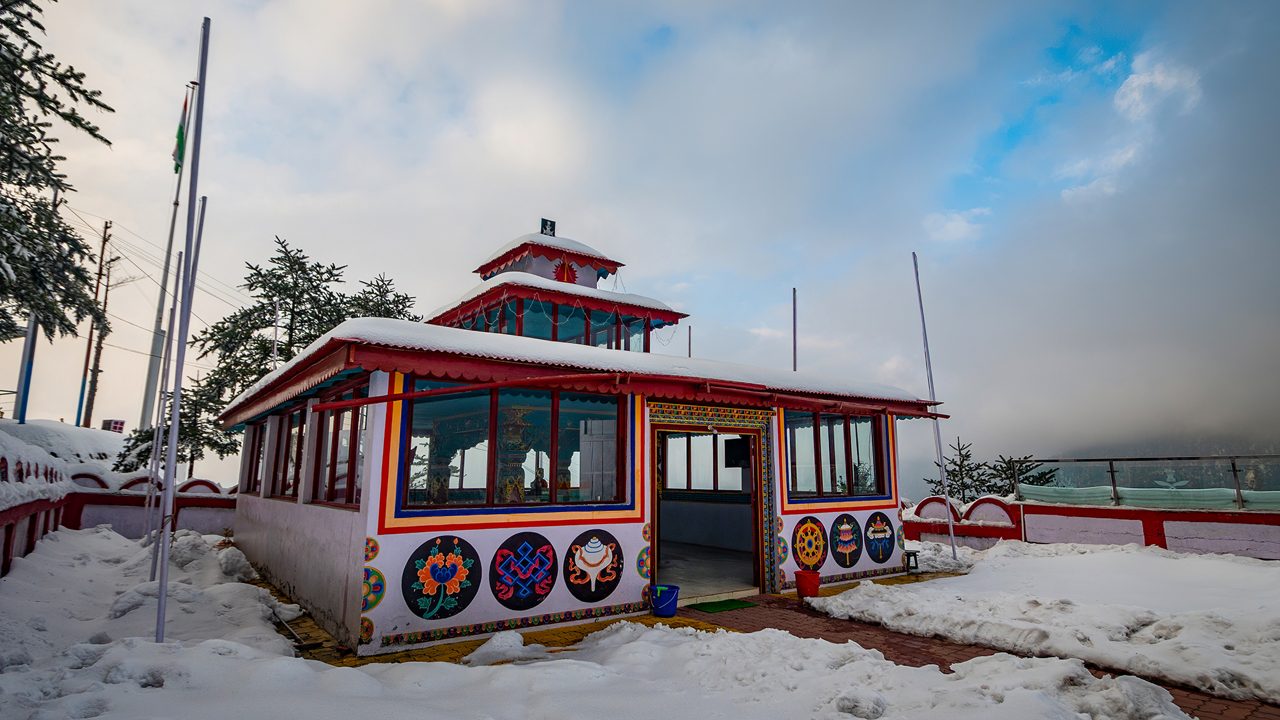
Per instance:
(548,241)
(536,282)
(405,334)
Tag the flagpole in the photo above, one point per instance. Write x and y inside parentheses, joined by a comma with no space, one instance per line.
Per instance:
(158,331)
(190,263)
(937,432)
(154,475)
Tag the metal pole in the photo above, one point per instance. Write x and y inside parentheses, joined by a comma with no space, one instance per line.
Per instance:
(158,332)
(29,349)
(690,329)
(190,263)
(96,370)
(1115,492)
(275,337)
(937,431)
(794,332)
(88,350)
(1235,475)
(154,474)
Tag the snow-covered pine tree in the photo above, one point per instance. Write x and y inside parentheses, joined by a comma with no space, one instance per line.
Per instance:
(379,298)
(966,479)
(1028,472)
(42,259)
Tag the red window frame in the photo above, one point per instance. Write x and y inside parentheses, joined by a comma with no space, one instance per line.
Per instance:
(286,473)
(257,438)
(324,475)
(820,462)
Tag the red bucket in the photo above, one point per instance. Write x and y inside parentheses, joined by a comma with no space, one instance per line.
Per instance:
(807,582)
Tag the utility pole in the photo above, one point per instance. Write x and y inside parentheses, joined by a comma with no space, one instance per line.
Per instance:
(690,329)
(88,350)
(794,333)
(97,352)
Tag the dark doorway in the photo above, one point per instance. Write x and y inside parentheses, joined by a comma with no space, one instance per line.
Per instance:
(707,526)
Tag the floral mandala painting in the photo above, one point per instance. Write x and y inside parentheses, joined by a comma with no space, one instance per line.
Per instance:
(372,589)
(441,577)
(370,549)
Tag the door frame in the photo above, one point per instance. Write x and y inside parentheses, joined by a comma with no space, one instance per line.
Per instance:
(656,430)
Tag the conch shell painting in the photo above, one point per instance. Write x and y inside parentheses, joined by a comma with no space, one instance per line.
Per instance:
(593,565)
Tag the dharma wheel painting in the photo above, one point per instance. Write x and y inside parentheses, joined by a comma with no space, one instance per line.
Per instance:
(880,537)
(809,543)
(441,577)
(523,571)
(846,541)
(593,565)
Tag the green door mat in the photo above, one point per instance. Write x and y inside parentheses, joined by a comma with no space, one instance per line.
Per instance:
(716,606)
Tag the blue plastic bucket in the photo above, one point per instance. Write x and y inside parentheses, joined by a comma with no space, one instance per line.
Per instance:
(665,598)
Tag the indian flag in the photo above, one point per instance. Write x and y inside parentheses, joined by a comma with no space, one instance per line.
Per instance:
(180,148)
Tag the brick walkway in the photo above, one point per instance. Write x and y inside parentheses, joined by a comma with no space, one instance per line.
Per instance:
(785,612)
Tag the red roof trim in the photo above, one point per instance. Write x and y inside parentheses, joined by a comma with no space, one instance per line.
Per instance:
(550,253)
(333,358)
(491,296)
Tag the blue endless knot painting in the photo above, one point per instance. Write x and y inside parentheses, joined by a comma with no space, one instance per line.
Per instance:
(523,571)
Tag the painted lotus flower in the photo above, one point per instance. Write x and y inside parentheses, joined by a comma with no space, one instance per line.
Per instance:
(448,570)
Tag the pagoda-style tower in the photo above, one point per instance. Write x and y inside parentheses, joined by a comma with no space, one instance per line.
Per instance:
(546,287)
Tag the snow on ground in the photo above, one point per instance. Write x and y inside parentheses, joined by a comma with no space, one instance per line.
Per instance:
(75,614)
(936,557)
(1208,621)
(70,443)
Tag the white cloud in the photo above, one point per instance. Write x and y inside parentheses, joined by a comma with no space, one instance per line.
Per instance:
(1152,83)
(955,226)
(1102,187)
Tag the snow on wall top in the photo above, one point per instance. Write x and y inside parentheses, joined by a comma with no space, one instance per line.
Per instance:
(556,243)
(410,335)
(71,443)
(17,451)
(528,280)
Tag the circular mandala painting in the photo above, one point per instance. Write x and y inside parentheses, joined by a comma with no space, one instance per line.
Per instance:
(782,549)
(777,525)
(902,539)
(809,543)
(880,537)
(523,571)
(441,577)
(642,563)
(593,565)
(370,549)
(366,631)
(846,541)
(645,532)
(372,590)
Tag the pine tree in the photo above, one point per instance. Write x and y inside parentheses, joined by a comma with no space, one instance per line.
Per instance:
(42,259)
(1006,470)
(198,433)
(967,479)
(379,298)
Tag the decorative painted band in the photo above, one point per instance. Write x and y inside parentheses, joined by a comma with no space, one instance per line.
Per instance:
(414,638)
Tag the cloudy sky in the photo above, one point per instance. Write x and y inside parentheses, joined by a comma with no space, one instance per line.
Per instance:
(1091,189)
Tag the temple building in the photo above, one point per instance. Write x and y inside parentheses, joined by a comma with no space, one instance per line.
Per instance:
(523,457)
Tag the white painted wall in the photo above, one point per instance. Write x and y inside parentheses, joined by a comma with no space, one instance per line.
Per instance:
(1066,529)
(1259,541)
(307,551)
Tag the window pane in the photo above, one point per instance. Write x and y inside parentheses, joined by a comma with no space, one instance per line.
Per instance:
(633,334)
(731,478)
(702,464)
(866,474)
(799,429)
(297,431)
(362,424)
(537,319)
(509,317)
(570,324)
(603,328)
(524,444)
(677,462)
(835,474)
(446,453)
(492,316)
(259,461)
(587,462)
(340,437)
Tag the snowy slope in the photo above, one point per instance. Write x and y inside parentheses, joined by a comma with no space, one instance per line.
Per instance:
(71,443)
(72,613)
(1209,621)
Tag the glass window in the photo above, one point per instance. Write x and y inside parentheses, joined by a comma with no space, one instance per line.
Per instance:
(493,319)
(867,478)
(633,334)
(587,448)
(524,447)
(799,430)
(468,323)
(730,477)
(835,472)
(538,319)
(603,329)
(571,324)
(510,313)
(257,457)
(677,459)
(701,463)
(446,450)
(337,466)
